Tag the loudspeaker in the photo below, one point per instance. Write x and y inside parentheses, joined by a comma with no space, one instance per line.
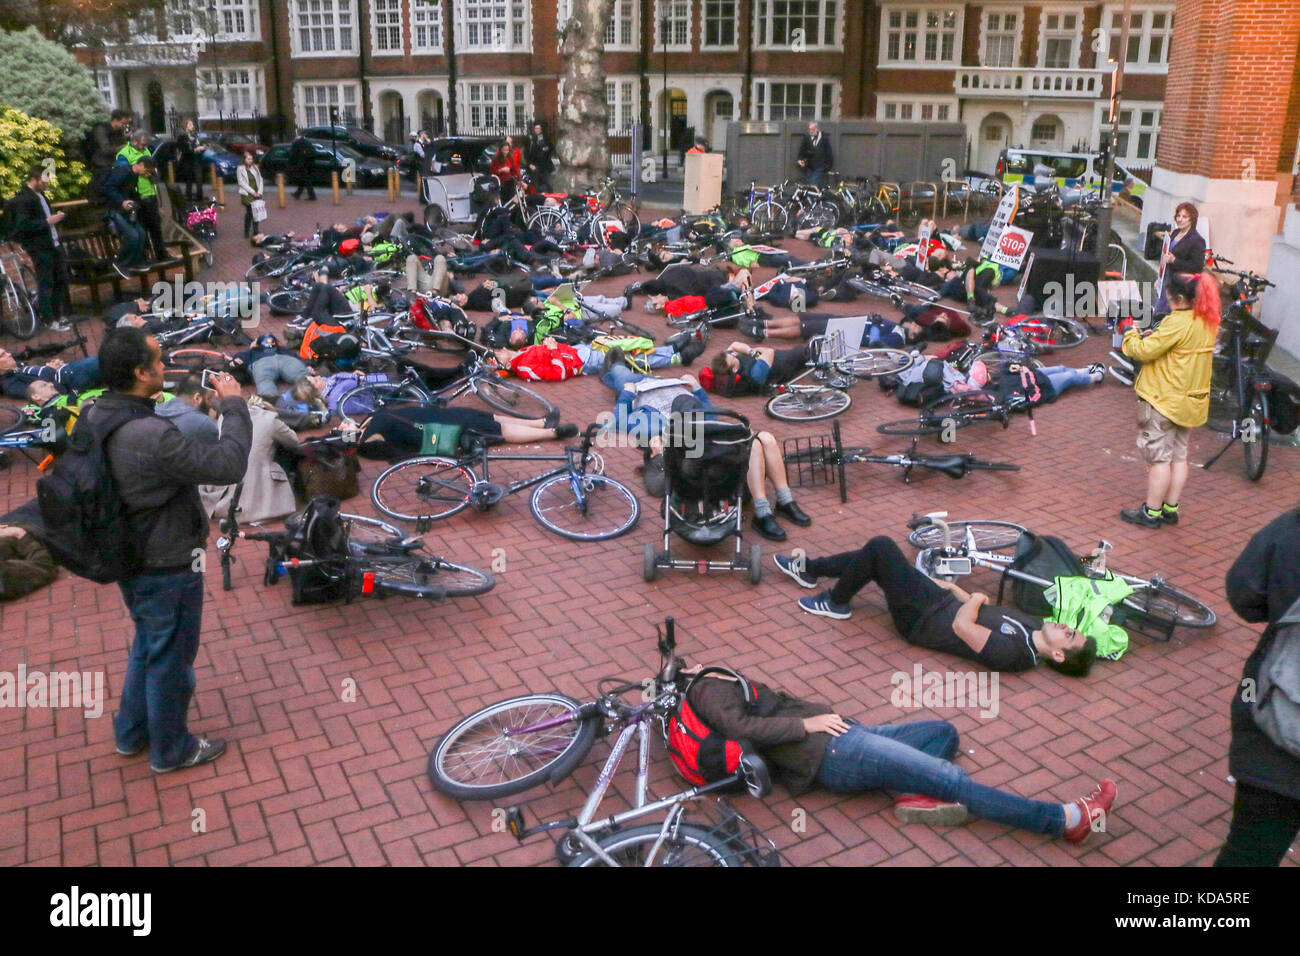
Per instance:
(1056,265)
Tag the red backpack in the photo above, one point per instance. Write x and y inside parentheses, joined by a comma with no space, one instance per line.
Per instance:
(702,755)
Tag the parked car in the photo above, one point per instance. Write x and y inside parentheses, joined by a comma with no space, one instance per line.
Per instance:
(234,141)
(1077,175)
(369,171)
(363,141)
(164,151)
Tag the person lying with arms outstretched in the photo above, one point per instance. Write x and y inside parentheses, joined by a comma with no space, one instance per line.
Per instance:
(810,745)
(939,615)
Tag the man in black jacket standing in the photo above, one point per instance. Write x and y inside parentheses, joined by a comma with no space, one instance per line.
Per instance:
(106,139)
(34,226)
(301,156)
(538,156)
(1262,584)
(157,470)
(815,157)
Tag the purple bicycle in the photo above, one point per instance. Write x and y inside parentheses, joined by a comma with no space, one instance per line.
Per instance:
(517,744)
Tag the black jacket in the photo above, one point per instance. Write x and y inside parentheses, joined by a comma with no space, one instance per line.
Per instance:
(1262,583)
(107,142)
(537,153)
(158,469)
(816,157)
(120,185)
(27,223)
(1189,254)
(301,154)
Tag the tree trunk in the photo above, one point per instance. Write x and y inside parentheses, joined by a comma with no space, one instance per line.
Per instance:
(582,148)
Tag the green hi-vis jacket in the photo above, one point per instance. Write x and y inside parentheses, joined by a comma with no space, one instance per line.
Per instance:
(1085,604)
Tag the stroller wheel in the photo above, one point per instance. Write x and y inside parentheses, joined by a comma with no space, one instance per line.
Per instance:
(650,564)
(755,564)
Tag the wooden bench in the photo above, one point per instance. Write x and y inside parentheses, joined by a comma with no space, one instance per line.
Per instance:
(90,253)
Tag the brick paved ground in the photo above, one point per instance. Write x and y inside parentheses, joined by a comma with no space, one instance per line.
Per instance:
(311,779)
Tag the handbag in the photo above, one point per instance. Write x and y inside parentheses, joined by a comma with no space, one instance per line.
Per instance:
(440,438)
(258,206)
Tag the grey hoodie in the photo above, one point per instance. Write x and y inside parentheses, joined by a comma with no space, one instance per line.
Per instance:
(192,422)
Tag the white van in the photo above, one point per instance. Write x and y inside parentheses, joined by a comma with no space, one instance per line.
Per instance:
(1074,173)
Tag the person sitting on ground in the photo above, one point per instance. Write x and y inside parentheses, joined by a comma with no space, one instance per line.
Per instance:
(189,410)
(26,565)
(939,615)
(809,745)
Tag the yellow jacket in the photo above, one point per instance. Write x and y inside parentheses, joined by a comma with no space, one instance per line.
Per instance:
(1175,378)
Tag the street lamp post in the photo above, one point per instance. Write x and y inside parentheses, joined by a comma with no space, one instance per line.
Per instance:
(663,132)
(1108,174)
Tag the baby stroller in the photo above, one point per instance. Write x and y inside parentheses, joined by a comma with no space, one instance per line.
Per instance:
(706,461)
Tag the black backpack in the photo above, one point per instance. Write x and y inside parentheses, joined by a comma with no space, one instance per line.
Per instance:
(1045,557)
(86,526)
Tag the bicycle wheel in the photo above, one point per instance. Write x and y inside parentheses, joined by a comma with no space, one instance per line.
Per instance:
(875,210)
(551,223)
(482,758)
(820,215)
(10,418)
(365,531)
(956,411)
(360,403)
(269,267)
(626,216)
(808,404)
(685,845)
(607,509)
(195,360)
(987,535)
(423,489)
(868,363)
(1166,605)
(21,320)
(1256,427)
(426,577)
(1054,333)
(288,301)
(511,399)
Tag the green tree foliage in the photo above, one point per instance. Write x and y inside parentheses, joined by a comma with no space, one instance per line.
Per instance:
(26,141)
(43,80)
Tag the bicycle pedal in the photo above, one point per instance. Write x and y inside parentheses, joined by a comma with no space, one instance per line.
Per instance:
(515,822)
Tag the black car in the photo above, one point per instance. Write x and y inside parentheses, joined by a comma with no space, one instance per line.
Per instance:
(363,141)
(369,171)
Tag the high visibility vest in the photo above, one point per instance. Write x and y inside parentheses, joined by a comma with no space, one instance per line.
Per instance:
(143,184)
(315,331)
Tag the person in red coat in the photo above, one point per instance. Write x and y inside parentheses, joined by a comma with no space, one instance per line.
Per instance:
(505,167)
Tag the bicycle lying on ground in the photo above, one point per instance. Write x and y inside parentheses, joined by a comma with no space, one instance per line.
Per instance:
(956,411)
(517,744)
(949,549)
(835,366)
(574,499)
(820,460)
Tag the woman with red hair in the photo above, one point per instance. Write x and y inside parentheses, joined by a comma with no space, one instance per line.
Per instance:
(1173,390)
(1186,255)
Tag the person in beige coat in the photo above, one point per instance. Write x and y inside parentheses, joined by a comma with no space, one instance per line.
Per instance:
(268,492)
(249,180)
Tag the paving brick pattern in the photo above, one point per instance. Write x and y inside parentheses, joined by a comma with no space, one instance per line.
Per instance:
(311,779)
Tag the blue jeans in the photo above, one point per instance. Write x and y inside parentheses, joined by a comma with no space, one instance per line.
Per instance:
(80,375)
(642,423)
(916,757)
(272,369)
(131,238)
(1063,377)
(168,613)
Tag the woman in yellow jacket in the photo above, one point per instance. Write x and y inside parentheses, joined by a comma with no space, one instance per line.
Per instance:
(1173,391)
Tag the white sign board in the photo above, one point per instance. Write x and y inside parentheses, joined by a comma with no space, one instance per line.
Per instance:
(923,246)
(1012,247)
(1002,217)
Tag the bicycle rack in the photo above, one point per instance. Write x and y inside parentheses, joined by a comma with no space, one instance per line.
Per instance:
(911,192)
(965,207)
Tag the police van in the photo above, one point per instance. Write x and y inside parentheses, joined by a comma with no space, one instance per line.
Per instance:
(1076,174)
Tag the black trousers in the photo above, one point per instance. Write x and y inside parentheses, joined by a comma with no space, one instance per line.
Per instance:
(908,592)
(51,283)
(302,180)
(1264,825)
(150,218)
(191,170)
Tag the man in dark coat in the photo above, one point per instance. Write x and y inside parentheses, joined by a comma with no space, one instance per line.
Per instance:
(301,155)
(34,225)
(815,157)
(539,157)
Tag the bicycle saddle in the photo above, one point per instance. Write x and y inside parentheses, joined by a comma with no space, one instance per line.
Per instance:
(954,466)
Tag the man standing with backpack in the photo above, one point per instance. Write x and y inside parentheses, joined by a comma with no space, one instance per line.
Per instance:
(155,471)
(101,147)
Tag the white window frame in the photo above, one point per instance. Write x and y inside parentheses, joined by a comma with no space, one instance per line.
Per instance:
(1141,65)
(296,7)
(106,83)
(176,10)
(704,33)
(252,19)
(1076,44)
(431,21)
(514,34)
(1135,129)
(916,102)
(678,10)
(985,34)
(205,100)
(920,9)
(623,112)
(393,19)
(518,105)
(343,87)
(823,112)
(620,12)
(764,26)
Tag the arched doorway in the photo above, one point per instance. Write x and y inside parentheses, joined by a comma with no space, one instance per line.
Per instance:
(719,110)
(1046,132)
(672,117)
(428,108)
(392,117)
(156,105)
(994,136)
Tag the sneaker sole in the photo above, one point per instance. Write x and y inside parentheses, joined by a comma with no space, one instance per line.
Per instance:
(1142,524)
(950,815)
(802,582)
(822,612)
(186,765)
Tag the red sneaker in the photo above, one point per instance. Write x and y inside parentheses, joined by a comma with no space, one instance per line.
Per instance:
(915,808)
(1093,809)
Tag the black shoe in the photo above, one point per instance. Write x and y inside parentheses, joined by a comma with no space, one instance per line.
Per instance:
(752,327)
(1168,517)
(792,511)
(1141,517)
(205,752)
(656,482)
(566,431)
(552,419)
(631,289)
(768,528)
(690,350)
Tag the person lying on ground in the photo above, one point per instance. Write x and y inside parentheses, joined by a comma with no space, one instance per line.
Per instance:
(743,369)
(939,615)
(398,431)
(553,361)
(26,565)
(77,376)
(809,745)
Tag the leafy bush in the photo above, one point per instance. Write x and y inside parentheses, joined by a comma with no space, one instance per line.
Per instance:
(26,140)
(45,81)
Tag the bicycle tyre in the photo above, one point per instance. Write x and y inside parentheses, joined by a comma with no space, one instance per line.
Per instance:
(558,490)
(626,215)
(195,360)
(269,267)
(421,577)
(1256,451)
(1054,332)
(820,215)
(988,535)
(398,495)
(435,217)
(875,210)
(552,224)
(288,301)
(868,363)
(481,736)
(1167,605)
(689,845)
(808,404)
(512,399)
(358,404)
(22,320)
(10,418)
(363,529)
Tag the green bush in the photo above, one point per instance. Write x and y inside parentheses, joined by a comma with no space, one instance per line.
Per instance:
(25,141)
(45,81)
